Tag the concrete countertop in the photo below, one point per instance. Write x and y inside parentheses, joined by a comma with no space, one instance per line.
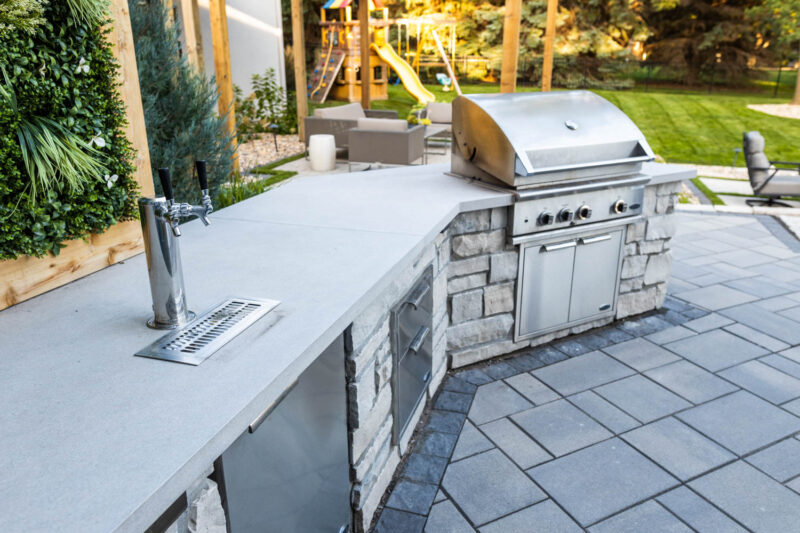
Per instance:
(95,439)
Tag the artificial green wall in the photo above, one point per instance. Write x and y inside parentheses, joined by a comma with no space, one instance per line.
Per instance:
(62,76)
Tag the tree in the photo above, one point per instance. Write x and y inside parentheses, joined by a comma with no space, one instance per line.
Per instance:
(179,105)
(777,22)
(699,35)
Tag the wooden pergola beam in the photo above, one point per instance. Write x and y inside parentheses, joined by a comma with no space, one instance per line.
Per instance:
(222,68)
(366,72)
(299,53)
(192,37)
(549,38)
(508,68)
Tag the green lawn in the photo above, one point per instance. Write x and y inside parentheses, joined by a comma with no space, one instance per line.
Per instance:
(681,126)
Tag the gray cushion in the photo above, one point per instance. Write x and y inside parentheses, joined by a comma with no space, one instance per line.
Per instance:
(352,111)
(753,142)
(756,163)
(440,112)
(783,185)
(382,124)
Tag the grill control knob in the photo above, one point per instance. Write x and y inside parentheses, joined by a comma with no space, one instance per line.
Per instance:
(565,215)
(620,206)
(545,218)
(584,212)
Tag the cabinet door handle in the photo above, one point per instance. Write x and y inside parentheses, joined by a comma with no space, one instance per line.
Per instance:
(559,246)
(419,293)
(419,338)
(268,411)
(598,238)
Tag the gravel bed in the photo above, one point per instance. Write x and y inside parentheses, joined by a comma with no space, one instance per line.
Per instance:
(261,150)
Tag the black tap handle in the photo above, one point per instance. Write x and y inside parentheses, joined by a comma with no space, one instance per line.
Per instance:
(166,183)
(201,174)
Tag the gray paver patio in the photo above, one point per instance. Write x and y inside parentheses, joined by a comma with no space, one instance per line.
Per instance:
(680,420)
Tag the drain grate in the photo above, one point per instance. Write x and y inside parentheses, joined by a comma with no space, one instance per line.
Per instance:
(207,333)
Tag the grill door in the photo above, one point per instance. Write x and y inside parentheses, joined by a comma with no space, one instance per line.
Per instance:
(546,285)
(594,281)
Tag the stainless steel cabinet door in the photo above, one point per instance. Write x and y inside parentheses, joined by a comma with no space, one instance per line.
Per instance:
(594,280)
(292,473)
(546,284)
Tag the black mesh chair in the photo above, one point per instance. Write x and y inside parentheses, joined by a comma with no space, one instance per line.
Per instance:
(773,179)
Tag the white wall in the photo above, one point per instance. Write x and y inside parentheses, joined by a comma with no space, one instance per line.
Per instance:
(255,33)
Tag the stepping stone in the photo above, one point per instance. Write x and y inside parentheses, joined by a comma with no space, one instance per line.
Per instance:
(596,482)
(764,381)
(470,442)
(604,412)
(762,339)
(533,389)
(582,373)
(487,486)
(752,498)
(641,354)
(641,398)
(445,518)
(773,324)
(515,443)
(413,497)
(697,512)
(682,451)
(670,334)
(741,422)
(494,401)
(560,427)
(648,516)
(545,517)
(716,297)
(715,350)
(392,521)
(708,322)
(780,461)
(438,444)
(690,381)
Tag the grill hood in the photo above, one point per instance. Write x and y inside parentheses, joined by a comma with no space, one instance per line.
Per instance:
(533,139)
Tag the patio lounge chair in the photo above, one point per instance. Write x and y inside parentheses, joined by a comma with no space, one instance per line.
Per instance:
(439,113)
(337,121)
(387,141)
(765,176)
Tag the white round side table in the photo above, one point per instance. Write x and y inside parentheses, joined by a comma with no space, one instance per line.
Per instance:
(322,152)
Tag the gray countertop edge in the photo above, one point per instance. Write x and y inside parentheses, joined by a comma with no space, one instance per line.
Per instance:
(139,516)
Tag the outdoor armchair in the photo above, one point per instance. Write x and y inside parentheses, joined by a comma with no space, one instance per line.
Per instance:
(774,179)
(392,142)
(439,113)
(339,120)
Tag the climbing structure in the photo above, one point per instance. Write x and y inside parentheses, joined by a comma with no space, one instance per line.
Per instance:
(337,72)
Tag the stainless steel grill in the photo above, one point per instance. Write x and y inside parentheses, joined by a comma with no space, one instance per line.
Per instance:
(526,140)
(206,334)
(573,161)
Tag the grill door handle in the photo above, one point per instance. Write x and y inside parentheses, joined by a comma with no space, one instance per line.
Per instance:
(419,338)
(598,238)
(268,411)
(559,246)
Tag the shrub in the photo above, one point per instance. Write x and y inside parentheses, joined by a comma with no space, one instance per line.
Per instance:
(268,104)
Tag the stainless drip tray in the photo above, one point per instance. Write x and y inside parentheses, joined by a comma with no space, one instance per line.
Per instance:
(209,332)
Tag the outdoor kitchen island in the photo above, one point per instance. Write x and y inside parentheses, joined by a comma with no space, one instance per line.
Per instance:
(95,439)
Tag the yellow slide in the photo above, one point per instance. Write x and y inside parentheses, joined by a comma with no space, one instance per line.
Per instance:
(407,75)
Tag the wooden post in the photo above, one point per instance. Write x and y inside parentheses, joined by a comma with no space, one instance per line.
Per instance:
(192,37)
(508,68)
(363,27)
(299,53)
(549,38)
(222,68)
(26,277)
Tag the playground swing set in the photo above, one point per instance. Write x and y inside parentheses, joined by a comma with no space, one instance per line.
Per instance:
(337,72)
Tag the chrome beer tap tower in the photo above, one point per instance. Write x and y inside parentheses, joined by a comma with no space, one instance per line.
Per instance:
(160,219)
